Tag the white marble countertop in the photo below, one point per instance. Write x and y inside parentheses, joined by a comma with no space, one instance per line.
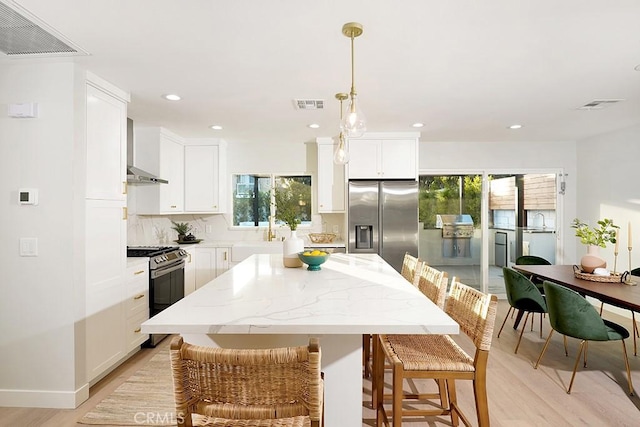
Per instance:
(351,294)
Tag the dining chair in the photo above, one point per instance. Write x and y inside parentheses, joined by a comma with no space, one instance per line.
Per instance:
(572,315)
(409,270)
(439,357)
(533,260)
(242,387)
(522,295)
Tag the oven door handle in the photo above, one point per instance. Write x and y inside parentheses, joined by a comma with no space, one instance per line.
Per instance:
(161,272)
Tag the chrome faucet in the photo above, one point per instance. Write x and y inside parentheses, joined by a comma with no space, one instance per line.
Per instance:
(542,215)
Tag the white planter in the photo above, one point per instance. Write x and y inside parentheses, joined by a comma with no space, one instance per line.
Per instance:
(290,249)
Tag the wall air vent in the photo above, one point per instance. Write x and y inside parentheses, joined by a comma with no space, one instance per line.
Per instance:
(308,104)
(23,34)
(599,104)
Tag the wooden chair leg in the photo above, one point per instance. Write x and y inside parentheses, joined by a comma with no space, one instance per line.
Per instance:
(505,320)
(566,350)
(546,344)
(453,402)
(482,403)
(575,366)
(524,326)
(397,394)
(366,354)
(636,333)
(626,365)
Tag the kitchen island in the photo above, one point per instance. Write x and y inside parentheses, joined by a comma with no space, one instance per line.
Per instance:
(259,303)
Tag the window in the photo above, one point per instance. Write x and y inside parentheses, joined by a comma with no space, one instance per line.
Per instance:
(253,198)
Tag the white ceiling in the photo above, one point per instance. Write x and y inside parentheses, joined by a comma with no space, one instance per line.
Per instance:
(465,68)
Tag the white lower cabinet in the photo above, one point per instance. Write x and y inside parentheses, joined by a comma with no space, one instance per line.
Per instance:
(136,305)
(210,263)
(190,272)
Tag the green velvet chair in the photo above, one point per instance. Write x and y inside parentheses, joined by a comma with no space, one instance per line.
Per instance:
(533,260)
(524,296)
(572,315)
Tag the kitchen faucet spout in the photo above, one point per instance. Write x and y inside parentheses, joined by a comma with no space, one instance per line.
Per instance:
(542,215)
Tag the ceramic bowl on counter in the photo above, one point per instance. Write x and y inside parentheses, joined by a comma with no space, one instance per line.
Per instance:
(313,259)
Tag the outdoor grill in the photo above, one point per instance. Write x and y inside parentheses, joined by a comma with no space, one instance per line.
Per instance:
(457,231)
(455,226)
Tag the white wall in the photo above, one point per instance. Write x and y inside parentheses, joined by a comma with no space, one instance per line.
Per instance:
(38,307)
(608,187)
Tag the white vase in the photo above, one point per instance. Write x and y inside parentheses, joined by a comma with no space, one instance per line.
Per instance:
(290,249)
(592,259)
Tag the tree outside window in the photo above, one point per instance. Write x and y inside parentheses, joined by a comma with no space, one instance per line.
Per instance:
(252,198)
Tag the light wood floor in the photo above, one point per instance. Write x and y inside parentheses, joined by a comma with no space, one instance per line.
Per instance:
(518,394)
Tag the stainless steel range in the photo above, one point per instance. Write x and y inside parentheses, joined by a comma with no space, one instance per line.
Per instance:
(457,231)
(166,278)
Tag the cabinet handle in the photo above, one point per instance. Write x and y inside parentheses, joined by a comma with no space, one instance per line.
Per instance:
(139,296)
(173,206)
(137,330)
(124,213)
(215,206)
(225,255)
(139,272)
(124,187)
(189,258)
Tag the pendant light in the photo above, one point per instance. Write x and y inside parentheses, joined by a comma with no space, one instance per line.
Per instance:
(354,123)
(341,155)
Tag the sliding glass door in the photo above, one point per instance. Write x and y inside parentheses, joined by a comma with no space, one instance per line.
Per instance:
(473,225)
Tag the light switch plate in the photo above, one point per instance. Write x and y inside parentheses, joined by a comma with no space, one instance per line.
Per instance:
(28,246)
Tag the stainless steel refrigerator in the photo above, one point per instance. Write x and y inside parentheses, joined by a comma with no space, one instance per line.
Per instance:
(383,219)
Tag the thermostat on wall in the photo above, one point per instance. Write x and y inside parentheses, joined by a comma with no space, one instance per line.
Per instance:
(28,196)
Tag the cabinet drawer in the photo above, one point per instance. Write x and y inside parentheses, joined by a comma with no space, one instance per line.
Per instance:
(137,302)
(134,335)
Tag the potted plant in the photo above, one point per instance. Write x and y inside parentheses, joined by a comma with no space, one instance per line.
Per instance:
(595,237)
(287,201)
(182,228)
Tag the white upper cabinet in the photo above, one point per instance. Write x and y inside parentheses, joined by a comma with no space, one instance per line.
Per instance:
(160,152)
(106,144)
(331,182)
(204,176)
(384,156)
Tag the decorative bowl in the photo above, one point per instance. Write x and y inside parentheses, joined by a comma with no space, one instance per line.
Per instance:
(313,261)
(321,237)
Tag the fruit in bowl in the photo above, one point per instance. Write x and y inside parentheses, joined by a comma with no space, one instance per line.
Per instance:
(313,259)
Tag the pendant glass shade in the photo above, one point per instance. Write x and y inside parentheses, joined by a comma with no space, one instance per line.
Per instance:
(341,155)
(354,124)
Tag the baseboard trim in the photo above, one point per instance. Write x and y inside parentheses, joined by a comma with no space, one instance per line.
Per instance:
(44,398)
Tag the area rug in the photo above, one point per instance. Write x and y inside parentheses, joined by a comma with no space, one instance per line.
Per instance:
(145,399)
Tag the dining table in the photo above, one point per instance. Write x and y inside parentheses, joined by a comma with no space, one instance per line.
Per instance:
(259,303)
(620,294)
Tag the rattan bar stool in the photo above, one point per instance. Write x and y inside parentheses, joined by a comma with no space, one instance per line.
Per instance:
(433,284)
(247,387)
(439,357)
(410,269)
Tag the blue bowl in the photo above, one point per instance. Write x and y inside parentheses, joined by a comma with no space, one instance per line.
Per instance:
(313,261)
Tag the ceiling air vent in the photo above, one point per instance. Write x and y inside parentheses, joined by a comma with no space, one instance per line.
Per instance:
(599,104)
(23,34)
(308,104)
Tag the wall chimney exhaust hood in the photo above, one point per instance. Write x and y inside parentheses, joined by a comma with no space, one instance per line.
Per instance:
(136,175)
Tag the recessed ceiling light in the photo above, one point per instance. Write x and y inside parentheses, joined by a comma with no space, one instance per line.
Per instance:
(171,97)
(314,126)
(515,126)
(417,125)
(216,127)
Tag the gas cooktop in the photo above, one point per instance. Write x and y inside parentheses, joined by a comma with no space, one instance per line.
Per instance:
(148,251)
